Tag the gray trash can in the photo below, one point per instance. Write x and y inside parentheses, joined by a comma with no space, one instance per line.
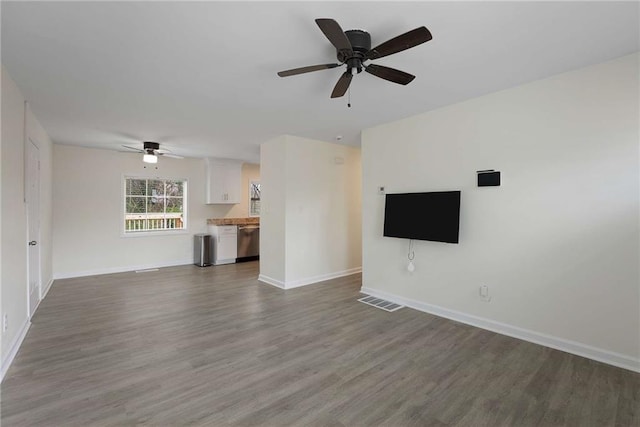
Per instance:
(202,250)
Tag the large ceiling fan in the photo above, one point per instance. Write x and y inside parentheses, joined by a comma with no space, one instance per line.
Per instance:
(151,151)
(353,48)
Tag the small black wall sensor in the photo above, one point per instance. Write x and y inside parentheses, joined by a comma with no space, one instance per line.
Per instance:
(488,178)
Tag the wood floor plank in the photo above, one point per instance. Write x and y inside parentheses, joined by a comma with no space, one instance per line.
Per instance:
(215,347)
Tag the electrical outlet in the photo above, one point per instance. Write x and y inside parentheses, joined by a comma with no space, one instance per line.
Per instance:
(5,323)
(484,293)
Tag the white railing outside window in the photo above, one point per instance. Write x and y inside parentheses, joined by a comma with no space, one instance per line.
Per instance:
(154,205)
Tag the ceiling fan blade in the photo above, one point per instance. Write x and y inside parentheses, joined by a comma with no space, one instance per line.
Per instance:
(398,44)
(391,74)
(173,156)
(343,84)
(336,36)
(139,150)
(308,69)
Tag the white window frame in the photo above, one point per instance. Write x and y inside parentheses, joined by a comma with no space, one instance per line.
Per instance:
(148,233)
(251,184)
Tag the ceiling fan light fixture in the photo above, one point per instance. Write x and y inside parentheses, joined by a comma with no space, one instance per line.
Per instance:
(150,158)
(151,151)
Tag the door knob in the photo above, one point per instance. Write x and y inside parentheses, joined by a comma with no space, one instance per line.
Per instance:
(33,243)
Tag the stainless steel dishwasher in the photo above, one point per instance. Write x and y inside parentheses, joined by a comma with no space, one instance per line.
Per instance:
(248,242)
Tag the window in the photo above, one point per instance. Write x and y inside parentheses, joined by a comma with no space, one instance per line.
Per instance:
(154,205)
(254,198)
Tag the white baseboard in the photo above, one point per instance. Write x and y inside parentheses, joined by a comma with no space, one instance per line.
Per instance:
(270,281)
(46,289)
(290,284)
(85,273)
(44,294)
(13,349)
(573,347)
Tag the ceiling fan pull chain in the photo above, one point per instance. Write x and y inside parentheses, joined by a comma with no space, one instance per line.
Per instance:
(349,101)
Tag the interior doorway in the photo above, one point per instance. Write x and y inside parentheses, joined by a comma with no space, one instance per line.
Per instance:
(32,197)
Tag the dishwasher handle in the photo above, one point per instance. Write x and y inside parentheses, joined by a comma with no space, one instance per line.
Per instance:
(248,227)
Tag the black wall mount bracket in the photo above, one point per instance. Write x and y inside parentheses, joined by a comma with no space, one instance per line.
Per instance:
(488,178)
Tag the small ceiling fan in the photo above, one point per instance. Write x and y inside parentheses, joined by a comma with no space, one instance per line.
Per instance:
(353,48)
(151,151)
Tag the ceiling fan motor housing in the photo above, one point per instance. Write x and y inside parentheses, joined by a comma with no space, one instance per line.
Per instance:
(150,147)
(360,43)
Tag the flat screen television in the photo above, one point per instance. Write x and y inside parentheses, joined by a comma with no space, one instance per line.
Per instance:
(431,216)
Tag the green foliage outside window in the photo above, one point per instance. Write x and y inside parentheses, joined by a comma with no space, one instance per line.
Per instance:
(154,204)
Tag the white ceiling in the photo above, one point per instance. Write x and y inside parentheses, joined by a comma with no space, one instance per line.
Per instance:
(201,77)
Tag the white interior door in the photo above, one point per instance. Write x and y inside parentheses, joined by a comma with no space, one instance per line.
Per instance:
(33,218)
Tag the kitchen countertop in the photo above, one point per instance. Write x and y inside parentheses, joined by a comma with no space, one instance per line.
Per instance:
(234,221)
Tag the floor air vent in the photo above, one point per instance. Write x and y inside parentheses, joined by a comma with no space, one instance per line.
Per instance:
(380,303)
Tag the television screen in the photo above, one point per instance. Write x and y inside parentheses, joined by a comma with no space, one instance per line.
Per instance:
(423,216)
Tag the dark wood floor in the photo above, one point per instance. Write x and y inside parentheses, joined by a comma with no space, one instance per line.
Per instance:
(213,346)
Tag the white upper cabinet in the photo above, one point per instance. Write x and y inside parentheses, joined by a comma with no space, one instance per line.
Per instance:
(224,181)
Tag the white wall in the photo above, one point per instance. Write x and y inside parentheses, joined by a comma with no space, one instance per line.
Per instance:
(2,138)
(13,264)
(315,187)
(273,209)
(323,218)
(14,225)
(87,212)
(557,243)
